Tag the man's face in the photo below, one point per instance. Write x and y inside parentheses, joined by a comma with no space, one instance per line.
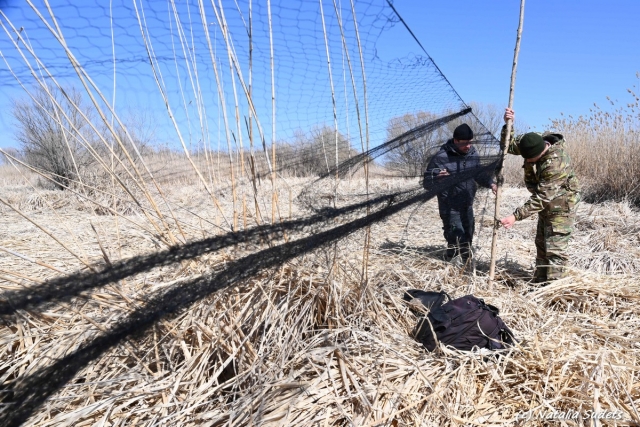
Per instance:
(463,145)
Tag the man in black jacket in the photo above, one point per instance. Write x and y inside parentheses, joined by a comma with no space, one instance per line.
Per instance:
(455,203)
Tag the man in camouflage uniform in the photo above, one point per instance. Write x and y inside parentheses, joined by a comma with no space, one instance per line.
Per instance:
(555,194)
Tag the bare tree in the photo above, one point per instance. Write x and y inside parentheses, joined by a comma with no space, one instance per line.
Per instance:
(490,115)
(50,130)
(410,159)
(11,151)
(138,129)
(315,153)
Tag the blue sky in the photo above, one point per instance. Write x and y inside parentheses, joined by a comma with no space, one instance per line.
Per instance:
(398,81)
(573,52)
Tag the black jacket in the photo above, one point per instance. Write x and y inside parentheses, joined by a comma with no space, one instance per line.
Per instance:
(460,194)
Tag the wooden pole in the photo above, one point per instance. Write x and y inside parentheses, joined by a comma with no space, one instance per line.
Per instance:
(504,145)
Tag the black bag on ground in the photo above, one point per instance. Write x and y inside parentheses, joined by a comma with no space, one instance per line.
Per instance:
(428,299)
(462,323)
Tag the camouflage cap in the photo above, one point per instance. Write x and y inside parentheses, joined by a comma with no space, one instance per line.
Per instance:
(531,145)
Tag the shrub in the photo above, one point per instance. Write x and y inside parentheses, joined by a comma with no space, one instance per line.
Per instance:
(51,133)
(314,153)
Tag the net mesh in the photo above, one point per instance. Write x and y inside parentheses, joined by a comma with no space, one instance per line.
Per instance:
(320,80)
(247,95)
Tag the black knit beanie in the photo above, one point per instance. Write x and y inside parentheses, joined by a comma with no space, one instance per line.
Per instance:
(531,145)
(463,133)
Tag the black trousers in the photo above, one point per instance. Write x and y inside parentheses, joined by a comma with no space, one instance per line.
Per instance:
(458,226)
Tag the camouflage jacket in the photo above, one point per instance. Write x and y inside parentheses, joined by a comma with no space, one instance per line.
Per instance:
(549,179)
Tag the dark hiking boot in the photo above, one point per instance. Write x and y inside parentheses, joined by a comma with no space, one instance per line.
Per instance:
(450,254)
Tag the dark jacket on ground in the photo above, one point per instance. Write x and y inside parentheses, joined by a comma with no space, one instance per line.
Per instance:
(461,194)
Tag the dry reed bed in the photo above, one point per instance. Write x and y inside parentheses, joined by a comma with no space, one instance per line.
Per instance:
(308,344)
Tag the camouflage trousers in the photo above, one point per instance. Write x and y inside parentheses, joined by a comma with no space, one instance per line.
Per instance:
(555,225)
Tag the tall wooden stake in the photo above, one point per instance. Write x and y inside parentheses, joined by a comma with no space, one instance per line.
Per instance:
(504,145)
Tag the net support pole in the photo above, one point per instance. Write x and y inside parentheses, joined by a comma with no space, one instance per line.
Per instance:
(503,146)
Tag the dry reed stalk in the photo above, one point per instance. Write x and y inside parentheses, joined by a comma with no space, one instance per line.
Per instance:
(156,73)
(189,52)
(365,142)
(88,85)
(274,198)
(102,139)
(333,95)
(345,50)
(238,143)
(220,17)
(244,212)
(22,276)
(252,158)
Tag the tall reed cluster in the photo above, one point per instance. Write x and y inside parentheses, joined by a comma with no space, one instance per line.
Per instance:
(604,147)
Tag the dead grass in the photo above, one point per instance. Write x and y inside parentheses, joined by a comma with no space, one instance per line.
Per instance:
(307,343)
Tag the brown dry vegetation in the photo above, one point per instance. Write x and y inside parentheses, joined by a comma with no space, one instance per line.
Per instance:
(604,147)
(309,343)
